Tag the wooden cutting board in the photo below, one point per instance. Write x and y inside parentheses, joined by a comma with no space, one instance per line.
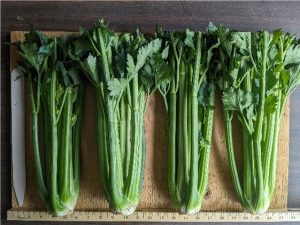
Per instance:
(220,193)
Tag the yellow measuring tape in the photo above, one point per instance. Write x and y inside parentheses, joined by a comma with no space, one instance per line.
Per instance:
(272,216)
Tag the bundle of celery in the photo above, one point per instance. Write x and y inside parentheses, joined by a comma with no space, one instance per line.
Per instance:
(56,93)
(258,71)
(190,106)
(115,65)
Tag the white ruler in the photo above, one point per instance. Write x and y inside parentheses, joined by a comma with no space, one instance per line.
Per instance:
(282,216)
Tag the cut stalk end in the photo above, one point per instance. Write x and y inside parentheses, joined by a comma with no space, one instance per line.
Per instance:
(192,210)
(125,211)
(261,207)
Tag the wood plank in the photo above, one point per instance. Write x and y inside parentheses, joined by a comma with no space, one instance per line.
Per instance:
(220,195)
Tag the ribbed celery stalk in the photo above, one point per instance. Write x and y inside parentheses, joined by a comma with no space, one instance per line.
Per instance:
(190,107)
(114,65)
(258,71)
(56,94)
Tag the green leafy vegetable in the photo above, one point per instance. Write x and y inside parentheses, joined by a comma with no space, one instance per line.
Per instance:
(257,73)
(188,91)
(117,65)
(56,93)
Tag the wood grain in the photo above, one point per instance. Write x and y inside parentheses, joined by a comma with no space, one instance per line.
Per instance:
(126,16)
(155,197)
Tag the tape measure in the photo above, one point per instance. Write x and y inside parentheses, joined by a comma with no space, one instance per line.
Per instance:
(271,216)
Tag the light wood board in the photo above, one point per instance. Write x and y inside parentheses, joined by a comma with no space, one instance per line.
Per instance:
(220,194)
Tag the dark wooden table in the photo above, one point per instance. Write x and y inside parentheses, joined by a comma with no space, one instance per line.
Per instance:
(127,16)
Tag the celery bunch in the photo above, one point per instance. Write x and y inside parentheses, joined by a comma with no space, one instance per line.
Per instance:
(56,93)
(119,66)
(258,71)
(189,97)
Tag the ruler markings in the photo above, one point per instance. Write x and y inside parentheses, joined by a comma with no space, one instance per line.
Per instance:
(290,215)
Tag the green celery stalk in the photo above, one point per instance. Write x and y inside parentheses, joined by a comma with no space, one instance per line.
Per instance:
(258,71)
(114,63)
(190,105)
(55,91)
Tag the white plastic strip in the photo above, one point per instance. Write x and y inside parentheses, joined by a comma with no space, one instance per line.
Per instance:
(18,134)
